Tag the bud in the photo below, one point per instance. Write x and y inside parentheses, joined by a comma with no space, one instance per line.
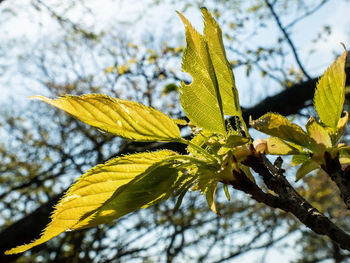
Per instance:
(260,145)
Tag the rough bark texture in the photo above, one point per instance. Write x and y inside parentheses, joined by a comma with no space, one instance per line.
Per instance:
(289,200)
(341,177)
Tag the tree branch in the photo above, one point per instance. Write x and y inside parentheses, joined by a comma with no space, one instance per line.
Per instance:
(306,14)
(288,101)
(291,201)
(339,176)
(287,37)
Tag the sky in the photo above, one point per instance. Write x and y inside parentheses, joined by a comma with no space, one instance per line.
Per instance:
(142,20)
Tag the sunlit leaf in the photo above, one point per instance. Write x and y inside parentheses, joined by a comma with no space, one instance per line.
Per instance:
(299,158)
(232,141)
(227,193)
(344,155)
(247,172)
(156,184)
(223,71)
(200,100)
(185,187)
(93,189)
(210,196)
(228,164)
(330,93)
(279,126)
(235,140)
(180,122)
(200,140)
(277,146)
(206,183)
(320,139)
(341,126)
(127,119)
(306,168)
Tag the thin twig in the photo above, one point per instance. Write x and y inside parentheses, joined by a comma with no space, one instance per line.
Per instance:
(306,14)
(287,37)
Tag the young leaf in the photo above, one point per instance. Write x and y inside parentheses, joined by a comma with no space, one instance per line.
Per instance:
(127,119)
(341,126)
(223,71)
(206,183)
(277,146)
(299,159)
(247,172)
(320,139)
(200,140)
(279,126)
(227,193)
(180,122)
(235,140)
(330,93)
(344,155)
(210,196)
(92,190)
(306,168)
(156,184)
(201,99)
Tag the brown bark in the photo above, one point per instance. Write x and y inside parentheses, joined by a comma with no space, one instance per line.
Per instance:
(289,200)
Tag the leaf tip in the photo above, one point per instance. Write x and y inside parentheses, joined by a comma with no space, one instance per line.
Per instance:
(341,43)
(37,97)
(182,17)
(18,249)
(205,11)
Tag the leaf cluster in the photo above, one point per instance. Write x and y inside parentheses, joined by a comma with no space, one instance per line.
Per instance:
(216,153)
(320,141)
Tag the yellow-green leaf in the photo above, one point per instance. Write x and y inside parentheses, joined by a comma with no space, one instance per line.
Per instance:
(181,122)
(200,140)
(299,159)
(277,146)
(344,155)
(341,126)
(210,196)
(92,190)
(320,139)
(330,93)
(156,184)
(127,119)
(247,172)
(170,175)
(306,168)
(223,71)
(227,193)
(279,126)
(231,143)
(201,99)
(235,140)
